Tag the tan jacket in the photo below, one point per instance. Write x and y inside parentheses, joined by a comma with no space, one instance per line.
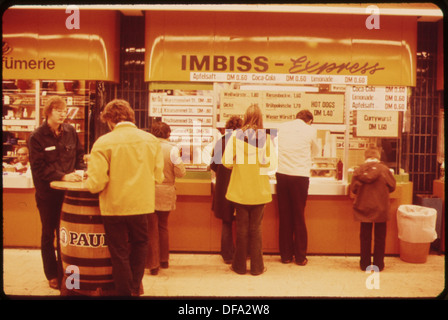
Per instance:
(124,166)
(173,168)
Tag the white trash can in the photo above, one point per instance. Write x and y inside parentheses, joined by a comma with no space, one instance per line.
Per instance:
(416,231)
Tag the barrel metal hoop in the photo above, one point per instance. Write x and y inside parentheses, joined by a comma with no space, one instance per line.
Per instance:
(81,194)
(93,277)
(80,219)
(86,262)
(82,202)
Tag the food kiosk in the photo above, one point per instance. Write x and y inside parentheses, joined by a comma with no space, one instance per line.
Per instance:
(202,68)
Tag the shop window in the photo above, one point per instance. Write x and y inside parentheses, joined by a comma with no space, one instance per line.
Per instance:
(420,142)
(131,86)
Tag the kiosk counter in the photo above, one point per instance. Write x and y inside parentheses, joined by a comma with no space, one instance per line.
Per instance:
(194,228)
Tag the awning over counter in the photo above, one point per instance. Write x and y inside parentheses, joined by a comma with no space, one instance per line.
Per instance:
(252,46)
(38,45)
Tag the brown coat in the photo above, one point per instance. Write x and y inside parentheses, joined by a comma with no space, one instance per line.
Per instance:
(371,183)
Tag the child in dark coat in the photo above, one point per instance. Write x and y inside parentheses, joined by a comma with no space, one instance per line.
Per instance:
(371,183)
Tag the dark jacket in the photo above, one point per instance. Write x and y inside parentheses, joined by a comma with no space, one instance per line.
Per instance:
(222,207)
(52,157)
(371,183)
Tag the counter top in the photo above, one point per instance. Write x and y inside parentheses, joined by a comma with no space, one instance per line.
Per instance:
(17,180)
(318,186)
(72,186)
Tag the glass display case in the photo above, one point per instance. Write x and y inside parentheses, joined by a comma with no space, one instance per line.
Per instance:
(20,115)
(22,112)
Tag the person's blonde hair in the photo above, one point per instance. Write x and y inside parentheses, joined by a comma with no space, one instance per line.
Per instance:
(253,118)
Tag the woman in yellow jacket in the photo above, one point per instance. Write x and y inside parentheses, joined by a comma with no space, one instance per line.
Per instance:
(251,156)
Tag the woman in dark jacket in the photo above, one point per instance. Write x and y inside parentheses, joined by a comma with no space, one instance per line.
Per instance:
(371,183)
(222,207)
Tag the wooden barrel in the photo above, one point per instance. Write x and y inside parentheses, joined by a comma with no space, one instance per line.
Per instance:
(86,262)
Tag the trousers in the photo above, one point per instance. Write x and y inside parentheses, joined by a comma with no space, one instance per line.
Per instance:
(127,239)
(158,245)
(378,247)
(50,213)
(292,193)
(248,239)
(227,243)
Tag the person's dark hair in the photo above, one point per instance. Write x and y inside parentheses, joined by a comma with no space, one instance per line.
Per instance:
(305,115)
(161,130)
(372,152)
(234,122)
(54,102)
(118,110)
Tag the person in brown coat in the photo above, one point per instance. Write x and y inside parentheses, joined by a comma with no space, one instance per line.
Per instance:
(371,183)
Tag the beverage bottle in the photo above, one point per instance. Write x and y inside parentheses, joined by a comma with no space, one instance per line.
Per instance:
(339,171)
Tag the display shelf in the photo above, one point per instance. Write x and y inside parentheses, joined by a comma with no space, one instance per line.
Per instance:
(24,101)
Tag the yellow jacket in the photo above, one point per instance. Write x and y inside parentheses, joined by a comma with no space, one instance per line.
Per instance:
(124,166)
(251,159)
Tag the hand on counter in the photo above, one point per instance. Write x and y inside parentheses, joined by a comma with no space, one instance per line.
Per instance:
(72,177)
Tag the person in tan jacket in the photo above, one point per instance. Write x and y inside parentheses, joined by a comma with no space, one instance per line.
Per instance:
(124,166)
(371,183)
(158,248)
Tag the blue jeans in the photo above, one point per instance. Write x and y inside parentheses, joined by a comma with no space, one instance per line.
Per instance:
(127,239)
(248,238)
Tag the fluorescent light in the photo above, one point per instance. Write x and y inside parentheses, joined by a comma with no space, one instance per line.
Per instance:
(399,9)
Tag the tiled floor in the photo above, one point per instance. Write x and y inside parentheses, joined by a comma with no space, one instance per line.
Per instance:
(205,276)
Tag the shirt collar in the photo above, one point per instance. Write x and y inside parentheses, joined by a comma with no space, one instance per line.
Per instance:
(49,131)
(125,124)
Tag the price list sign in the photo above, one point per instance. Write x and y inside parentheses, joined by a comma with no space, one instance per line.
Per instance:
(186,115)
(326,108)
(280,106)
(376,123)
(387,98)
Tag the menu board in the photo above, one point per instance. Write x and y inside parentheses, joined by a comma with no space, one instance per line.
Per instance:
(378,98)
(280,106)
(326,108)
(186,115)
(155,104)
(376,123)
